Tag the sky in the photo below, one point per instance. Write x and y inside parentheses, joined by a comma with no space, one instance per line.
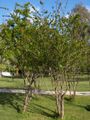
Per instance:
(10,4)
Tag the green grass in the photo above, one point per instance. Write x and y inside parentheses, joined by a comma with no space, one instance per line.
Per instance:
(11,83)
(83,86)
(41,108)
(44,83)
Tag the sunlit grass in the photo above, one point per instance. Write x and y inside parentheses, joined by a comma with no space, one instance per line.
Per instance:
(11,83)
(43,83)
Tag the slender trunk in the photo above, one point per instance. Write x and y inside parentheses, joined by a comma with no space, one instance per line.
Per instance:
(57,109)
(60,105)
(27,99)
(29,92)
(69,85)
(74,89)
(17,71)
(74,93)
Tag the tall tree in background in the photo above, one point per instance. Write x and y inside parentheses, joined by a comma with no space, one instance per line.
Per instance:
(84,31)
(83,12)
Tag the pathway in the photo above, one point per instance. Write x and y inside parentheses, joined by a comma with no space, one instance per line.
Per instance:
(42,92)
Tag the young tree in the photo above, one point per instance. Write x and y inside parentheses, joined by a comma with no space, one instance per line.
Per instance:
(19,46)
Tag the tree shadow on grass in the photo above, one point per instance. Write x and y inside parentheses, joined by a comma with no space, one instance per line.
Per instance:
(39,109)
(14,100)
(50,97)
(87,107)
(43,109)
(71,102)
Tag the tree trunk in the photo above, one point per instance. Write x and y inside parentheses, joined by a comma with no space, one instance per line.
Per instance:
(60,105)
(27,99)
(69,85)
(74,89)
(29,91)
(74,93)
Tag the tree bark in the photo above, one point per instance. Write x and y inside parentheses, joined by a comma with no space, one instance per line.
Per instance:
(27,99)
(29,91)
(60,105)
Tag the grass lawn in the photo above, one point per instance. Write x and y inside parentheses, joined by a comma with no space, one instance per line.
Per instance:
(41,108)
(45,83)
(83,86)
(11,83)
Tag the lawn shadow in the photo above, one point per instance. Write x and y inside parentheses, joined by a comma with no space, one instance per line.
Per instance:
(42,109)
(13,100)
(71,102)
(45,110)
(39,109)
(69,99)
(87,107)
(50,97)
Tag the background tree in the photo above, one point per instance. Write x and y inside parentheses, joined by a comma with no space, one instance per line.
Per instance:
(84,14)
